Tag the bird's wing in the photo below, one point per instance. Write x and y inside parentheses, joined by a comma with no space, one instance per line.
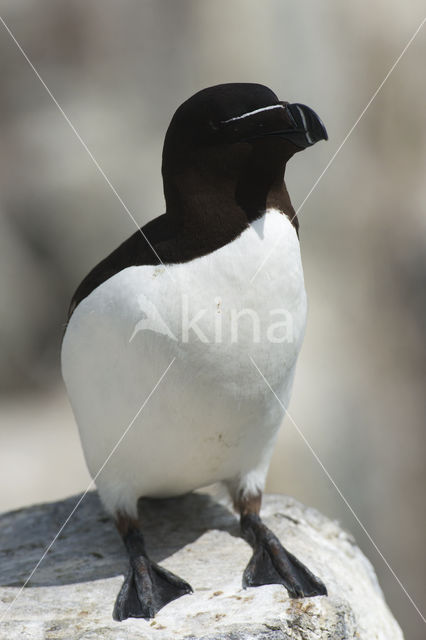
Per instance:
(149,245)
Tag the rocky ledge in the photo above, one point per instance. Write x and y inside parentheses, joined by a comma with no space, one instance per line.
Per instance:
(71,595)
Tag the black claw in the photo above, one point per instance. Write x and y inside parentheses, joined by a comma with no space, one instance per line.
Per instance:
(271,563)
(167,586)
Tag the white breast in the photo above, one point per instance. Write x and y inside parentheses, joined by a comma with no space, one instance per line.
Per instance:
(212,418)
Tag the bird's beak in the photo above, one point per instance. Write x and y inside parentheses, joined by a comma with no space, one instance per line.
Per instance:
(296,123)
(306,127)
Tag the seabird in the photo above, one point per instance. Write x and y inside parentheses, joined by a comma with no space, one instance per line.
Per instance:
(173,307)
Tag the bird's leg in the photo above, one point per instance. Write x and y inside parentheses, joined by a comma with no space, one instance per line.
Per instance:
(147,587)
(271,563)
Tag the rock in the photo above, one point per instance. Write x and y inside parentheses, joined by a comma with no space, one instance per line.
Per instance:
(71,595)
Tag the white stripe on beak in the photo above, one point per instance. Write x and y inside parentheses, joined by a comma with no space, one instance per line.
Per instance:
(302,115)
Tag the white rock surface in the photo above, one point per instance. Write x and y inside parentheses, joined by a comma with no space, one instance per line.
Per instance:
(71,595)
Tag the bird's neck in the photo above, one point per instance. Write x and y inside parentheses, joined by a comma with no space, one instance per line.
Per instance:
(218,204)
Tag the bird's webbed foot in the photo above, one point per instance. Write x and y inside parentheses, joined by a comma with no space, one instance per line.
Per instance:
(271,563)
(147,588)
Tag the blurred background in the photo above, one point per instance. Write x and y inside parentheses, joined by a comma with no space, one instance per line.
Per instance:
(119,70)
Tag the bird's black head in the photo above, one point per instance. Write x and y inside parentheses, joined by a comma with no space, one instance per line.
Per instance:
(240,112)
(239,136)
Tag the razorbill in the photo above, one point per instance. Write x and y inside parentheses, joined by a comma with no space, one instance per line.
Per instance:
(173,307)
